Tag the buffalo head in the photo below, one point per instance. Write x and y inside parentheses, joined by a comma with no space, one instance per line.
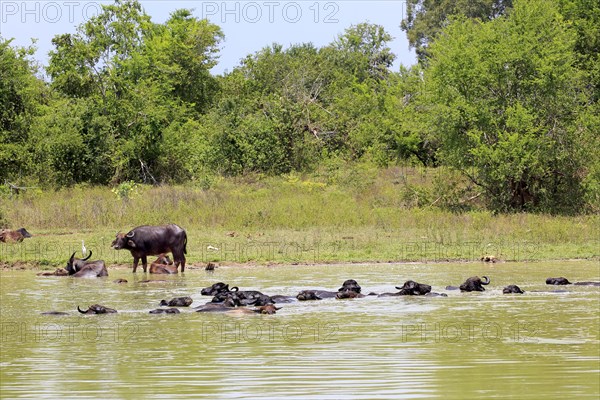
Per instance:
(123,241)
(412,288)
(350,285)
(215,288)
(308,295)
(97,309)
(512,289)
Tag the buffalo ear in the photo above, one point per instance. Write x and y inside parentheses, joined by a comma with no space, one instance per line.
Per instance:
(131,243)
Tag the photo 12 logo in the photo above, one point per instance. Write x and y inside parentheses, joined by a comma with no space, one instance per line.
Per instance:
(270,11)
(48,11)
(217,11)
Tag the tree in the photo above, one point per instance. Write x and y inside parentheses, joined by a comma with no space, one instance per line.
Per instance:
(137,78)
(505,97)
(21,95)
(363,51)
(426,18)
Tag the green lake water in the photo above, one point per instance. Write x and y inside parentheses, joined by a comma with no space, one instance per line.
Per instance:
(539,345)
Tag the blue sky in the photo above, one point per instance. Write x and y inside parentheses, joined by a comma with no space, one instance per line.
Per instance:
(248,25)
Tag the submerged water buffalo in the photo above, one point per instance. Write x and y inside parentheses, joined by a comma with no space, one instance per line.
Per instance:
(512,289)
(97,309)
(215,288)
(267,309)
(564,281)
(163,265)
(221,292)
(147,240)
(17,235)
(472,284)
(219,307)
(350,289)
(56,272)
(410,288)
(177,302)
(557,281)
(82,268)
(164,311)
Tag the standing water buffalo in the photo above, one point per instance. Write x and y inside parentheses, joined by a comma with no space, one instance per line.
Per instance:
(81,268)
(9,235)
(148,240)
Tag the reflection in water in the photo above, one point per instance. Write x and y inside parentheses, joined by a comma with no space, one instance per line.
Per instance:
(475,345)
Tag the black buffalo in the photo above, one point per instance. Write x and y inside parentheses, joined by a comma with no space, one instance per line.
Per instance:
(146,240)
(82,268)
(512,289)
(216,288)
(97,309)
(221,293)
(177,302)
(164,311)
(17,235)
(565,281)
(410,288)
(350,289)
(557,281)
(472,284)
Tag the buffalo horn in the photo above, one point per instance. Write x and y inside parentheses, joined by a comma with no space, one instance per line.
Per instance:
(486,282)
(87,258)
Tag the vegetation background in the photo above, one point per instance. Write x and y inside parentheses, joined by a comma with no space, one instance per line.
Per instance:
(492,137)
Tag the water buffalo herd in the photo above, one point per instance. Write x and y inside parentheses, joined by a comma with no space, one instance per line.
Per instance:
(232,300)
(144,241)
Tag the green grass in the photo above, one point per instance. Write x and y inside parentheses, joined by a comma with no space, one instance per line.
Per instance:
(371,217)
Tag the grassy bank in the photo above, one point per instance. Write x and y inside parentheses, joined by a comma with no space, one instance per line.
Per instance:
(366,215)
